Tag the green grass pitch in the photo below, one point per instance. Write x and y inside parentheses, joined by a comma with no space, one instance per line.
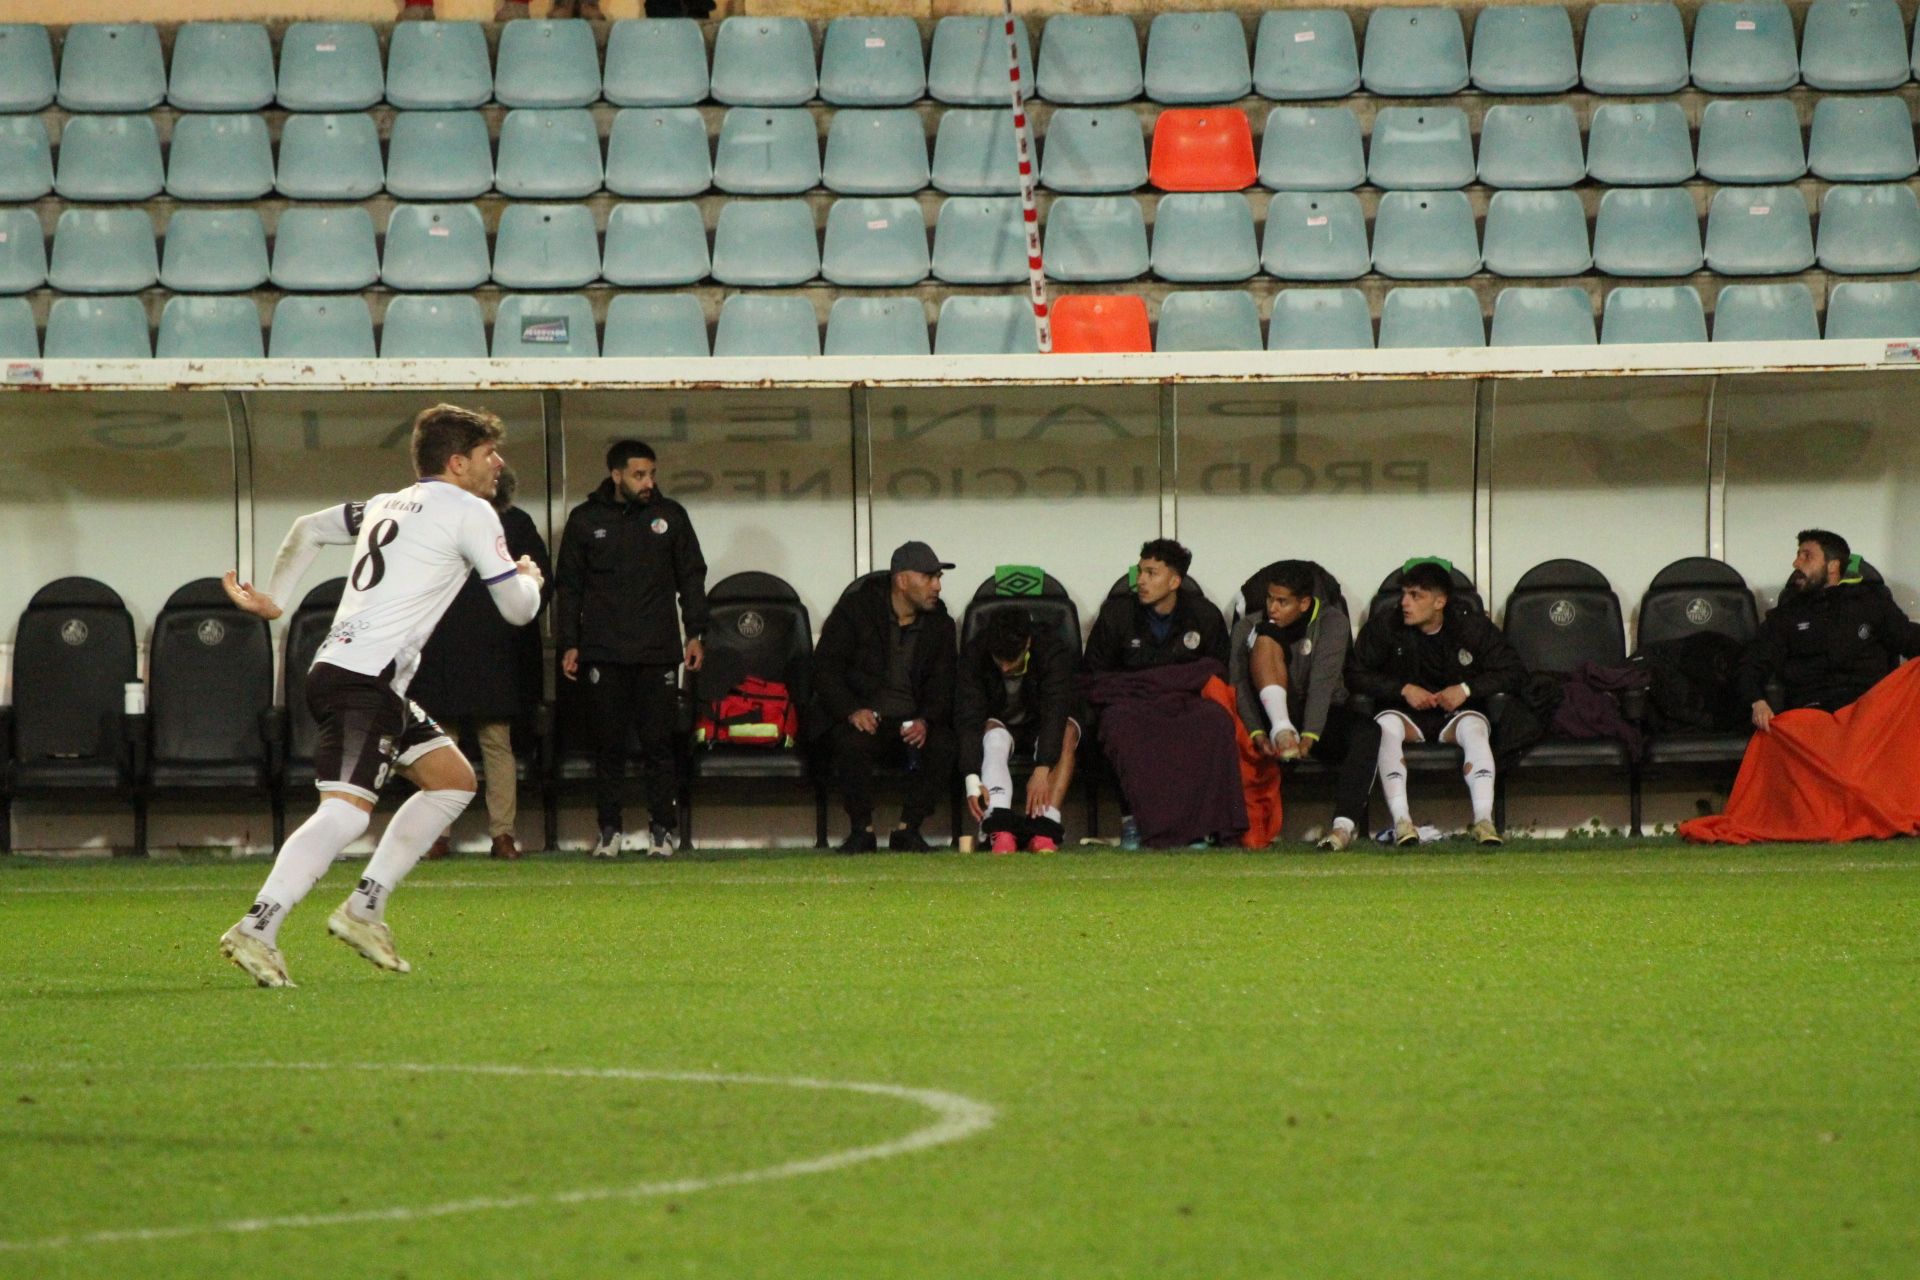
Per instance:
(1565,1061)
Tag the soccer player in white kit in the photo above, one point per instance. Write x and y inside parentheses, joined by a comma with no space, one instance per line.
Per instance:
(411,554)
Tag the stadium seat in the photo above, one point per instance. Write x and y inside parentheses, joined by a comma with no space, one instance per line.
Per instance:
(112,328)
(1765,313)
(221,66)
(544,326)
(26,67)
(1446,317)
(763,62)
(1639,144)
(1744,46)
(1414,52)
(1861,139)
(1420,149)
(23,253)
(980,240)
(877,327)
(210,329)
(542,247)
(552,63)
(1312,149)
(111,67)
(1751,140)
(1204,237)
(880,152)
(1197,57)
(1316,236)
(874,242)
(434,247)
(1320,320)
(659,62)
(433,328)
(655,245)
(767,151)
(1223,320)
(19,336)
(1670,313)
(1425,235)
(1087,323)
(330,157)
(437,66)
(1202,149)
(655,325)
(549,154)
(974,325)
(658,152)
(1634,48)
(26,159)
(872,62)
(214,251)
(1880,309)
(1531,146)
(765,244)
(330,66)
(1095,238)
(1305,53)
(1870,231)
(324,250)
(1560,317)
(219,157)
(968,62)
(1853,45)
(109,158)
(975,154)
(308,328)
(766,325)
(1089,59)
(1654,231)
(104,251)
(439,155)
(1537,234)
(1758,231)
(1524,49)
(1092,151)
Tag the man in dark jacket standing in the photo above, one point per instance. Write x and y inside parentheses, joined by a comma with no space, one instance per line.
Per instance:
(630,578)
(884,675)
(1015,689)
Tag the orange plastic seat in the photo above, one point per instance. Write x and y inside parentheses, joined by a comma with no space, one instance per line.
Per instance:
(1088,322)
(1203,149)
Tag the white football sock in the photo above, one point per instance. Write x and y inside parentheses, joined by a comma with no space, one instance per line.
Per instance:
(414,828)
(1470,732)
(1274,699)
(1050,813)
(996,749)
(303,859)
(1393,766)
(1343,824)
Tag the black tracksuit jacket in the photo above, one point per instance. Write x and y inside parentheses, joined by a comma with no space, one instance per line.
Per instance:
(621,567)
(1385,659)
(1121,640)
(850,662)
(1828,646)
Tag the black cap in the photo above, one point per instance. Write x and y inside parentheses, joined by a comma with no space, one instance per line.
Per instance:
(917,556)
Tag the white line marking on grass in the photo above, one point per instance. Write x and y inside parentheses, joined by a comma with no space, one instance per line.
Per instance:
(957,1117)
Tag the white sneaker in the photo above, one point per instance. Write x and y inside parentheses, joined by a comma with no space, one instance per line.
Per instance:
(610,842)
(662,841)
(371,938)
(256,959)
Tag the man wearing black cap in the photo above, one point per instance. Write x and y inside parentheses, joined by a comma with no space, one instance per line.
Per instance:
(883,673)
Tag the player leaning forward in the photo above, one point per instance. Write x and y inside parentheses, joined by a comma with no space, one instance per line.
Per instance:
(411,553)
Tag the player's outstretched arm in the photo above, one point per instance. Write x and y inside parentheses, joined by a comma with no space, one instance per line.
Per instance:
(331,527)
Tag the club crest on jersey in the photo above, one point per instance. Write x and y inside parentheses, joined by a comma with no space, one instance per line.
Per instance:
(1866,631)
(1465,657)
(1306,647)
(593,675)
(211,633)
(659,524)
(1191,640)
(500,545)
(73,632)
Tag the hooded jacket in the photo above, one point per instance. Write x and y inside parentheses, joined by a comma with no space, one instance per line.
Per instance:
(1828,646)
(1046,693)
(1316,648)
(622,565)
(1385,659)
(1121,641)
(850,662)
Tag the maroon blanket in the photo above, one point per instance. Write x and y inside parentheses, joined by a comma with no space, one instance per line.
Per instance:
(1173,750)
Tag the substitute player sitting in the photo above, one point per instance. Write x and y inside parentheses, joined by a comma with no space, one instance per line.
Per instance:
(412,551)
(1015,691)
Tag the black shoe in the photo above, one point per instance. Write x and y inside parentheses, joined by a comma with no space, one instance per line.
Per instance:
(908,840)
(858,842)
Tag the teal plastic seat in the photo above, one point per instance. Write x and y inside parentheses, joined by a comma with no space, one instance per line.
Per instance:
(875,242)
(1758,231)
(654,245)
(545,326)
(1316,236)
(210,329)
(1557,317)
(1751,140)
(1765,313)
(1531,147)
(763,62)
(447,327)
(879,152)
(220,157)
(975,154)
(324,251)
(309,328)
(330,156)
(1312,149)
(19,336)
(437,66)
(439,155)
(26,67)
(549,154)
(1305,53)
(26,159)
(114,158)
(330,66)
(980,240)
(656,62)
(1094,150)
(1668,313)
(547,63)
(1744,46)
(1223,320)
(659,152)
(968,62)
(1634,48)
(985,326)
(877,327)
(1320,320)
(111,66)
(1861,140)
(1870,230)
(1446,317)
(23,254)
(1639,144)
(1877,309)
(1197,57)
(542,247)
(214,251)
(1414,52)
(872,62)
(1420,149)
(221,66)
(1090,59)
(767,151)
(113,328)
(657,325)
(1523,49)
(1650,231)
(1536,234)
(434,247)
(753,324)
(1425,235)
(765,244)
(1851,45)
(1204,237)
(1095,238)
(104,251)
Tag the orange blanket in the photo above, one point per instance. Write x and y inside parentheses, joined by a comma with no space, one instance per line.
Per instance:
(1853,774)
(1259,775)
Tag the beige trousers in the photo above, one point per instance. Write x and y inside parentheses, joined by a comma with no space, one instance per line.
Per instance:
(502,775)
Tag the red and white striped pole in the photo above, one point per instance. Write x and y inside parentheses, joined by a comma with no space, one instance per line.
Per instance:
(1029,203)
